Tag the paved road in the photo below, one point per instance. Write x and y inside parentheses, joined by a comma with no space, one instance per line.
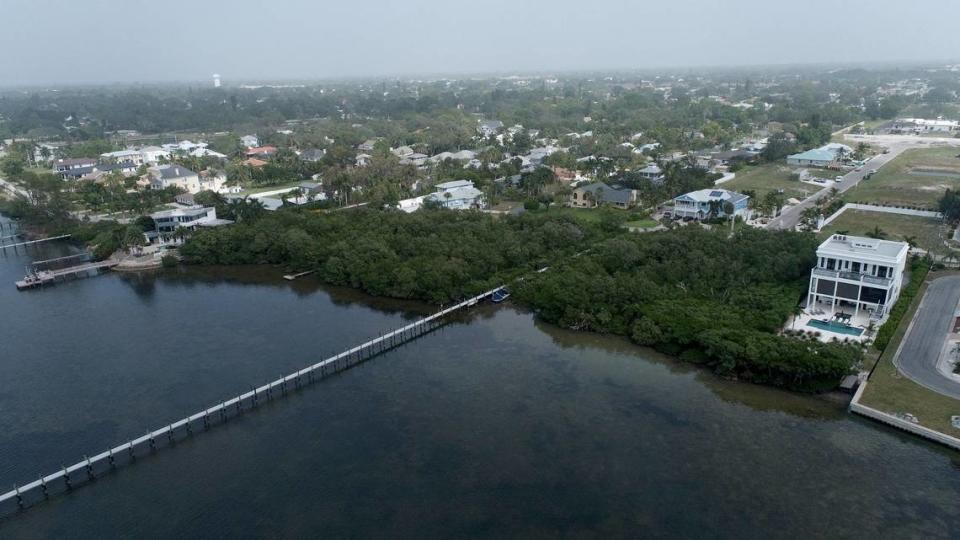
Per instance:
(920,350)
(790,217)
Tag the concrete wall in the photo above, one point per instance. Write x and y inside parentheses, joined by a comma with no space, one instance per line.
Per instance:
(882,209)
(899,423)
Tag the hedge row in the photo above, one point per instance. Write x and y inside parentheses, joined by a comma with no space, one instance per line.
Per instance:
(918,272)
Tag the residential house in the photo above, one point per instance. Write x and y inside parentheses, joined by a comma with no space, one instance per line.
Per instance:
(206,152)
(261,152)
(164,176)
(254,162)
(826,156)
(63,165)
(457,195)
(710,202)
(130,154)
(565,176)
(191,217)
(489,128)
(250,141)
(729,157)
(651,172)
(313,155)
(367,145)
(213,180)
(402,151)
(96,171)
(153,154)
(599,193)
(857,273)
(462,155)
(363,160)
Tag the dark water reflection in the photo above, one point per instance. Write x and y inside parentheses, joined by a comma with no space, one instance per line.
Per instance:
(496,426)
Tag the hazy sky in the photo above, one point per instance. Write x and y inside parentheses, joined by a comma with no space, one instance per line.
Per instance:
(83,41)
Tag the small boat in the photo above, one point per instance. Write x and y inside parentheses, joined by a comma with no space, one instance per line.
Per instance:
(499,295)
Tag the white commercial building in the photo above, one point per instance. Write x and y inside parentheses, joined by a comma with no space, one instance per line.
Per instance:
(858,274)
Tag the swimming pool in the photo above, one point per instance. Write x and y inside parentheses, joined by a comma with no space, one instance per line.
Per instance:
(835,327)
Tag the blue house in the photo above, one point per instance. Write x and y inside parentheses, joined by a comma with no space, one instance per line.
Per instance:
(710,202)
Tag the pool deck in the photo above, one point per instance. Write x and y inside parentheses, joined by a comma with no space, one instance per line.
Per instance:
(861,321)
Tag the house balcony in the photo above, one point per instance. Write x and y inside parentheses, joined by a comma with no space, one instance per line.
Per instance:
(853,276)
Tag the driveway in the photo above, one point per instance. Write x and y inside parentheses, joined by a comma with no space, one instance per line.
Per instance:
(920,350)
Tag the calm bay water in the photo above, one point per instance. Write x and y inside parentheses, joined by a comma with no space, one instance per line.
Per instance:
(495,426)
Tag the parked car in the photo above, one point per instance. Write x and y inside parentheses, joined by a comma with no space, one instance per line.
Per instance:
(838,179)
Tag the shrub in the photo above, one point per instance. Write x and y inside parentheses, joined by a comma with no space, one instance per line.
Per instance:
(169,261)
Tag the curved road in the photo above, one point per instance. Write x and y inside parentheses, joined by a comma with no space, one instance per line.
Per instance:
(920,349)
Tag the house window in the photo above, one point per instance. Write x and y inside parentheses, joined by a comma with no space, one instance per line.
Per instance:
(856,267)
(831,264)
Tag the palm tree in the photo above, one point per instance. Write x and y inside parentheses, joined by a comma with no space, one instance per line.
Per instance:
(910,240)
(877,233)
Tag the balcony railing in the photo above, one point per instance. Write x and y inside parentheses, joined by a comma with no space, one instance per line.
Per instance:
(853,276)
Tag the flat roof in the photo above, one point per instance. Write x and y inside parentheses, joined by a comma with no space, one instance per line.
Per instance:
(846,245)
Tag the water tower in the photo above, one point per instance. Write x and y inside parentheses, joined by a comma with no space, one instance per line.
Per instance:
(216,80)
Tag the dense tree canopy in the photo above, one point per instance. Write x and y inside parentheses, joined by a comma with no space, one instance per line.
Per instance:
(700,294)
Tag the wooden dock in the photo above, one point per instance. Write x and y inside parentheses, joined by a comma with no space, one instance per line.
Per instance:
(48,277)
(291,277)
(31,242)
(87,469)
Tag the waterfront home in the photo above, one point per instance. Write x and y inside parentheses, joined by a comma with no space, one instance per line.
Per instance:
(599,193)
(707,203)
(190,217)
(457,195)
(857,274)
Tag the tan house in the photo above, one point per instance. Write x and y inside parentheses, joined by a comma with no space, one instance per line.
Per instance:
(600,194)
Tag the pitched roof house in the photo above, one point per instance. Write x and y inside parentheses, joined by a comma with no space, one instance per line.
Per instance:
(599,193)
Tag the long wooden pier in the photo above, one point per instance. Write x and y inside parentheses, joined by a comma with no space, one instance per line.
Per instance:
(46,277)
(31,242)
(68,477)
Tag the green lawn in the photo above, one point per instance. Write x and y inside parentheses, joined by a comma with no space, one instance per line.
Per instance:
(893,184)
(263,189)
(642,224)
(769,177)
(891,392)
(859,222)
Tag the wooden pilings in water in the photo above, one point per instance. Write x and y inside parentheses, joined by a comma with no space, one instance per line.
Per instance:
(91,466)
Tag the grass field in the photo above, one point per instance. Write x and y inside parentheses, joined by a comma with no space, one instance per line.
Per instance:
(766,178)
(895,186)
(891,392)
(642,224)
(264,189)
(860,222)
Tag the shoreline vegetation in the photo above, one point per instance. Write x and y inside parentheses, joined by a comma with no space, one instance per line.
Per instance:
(703,296)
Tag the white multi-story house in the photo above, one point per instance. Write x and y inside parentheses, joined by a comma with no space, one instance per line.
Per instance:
(857,274)
(457,195)
(191,217)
